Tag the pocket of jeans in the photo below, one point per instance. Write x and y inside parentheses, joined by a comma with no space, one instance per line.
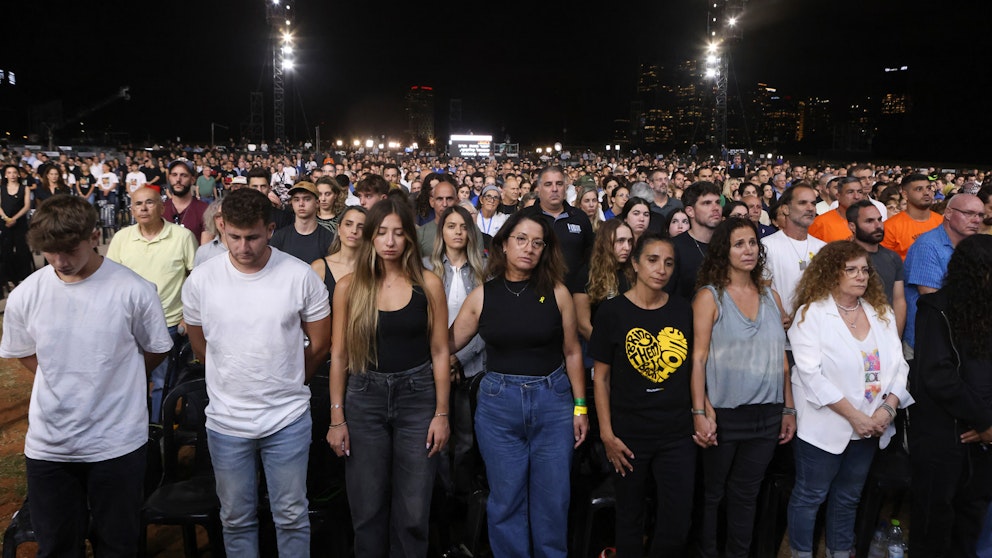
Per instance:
(561,385)
(491,386)
(422,382)
(358,382)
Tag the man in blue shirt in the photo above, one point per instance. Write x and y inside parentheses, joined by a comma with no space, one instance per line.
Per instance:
(926,261)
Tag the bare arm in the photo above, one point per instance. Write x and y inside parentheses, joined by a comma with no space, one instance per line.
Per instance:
(337,436)
(925,290)
(899,305)
(152,360)
(30,362)
(573,359)
(439,431)
(197,341)
(583,314)
(466,325)
(319,333)
(704,315)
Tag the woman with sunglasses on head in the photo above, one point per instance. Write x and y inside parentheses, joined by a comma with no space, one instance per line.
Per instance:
(741,396)
(641,343)
(531,410)
(848,380)
(389,381)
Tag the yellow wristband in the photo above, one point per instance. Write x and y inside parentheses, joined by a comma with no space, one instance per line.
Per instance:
(581,410)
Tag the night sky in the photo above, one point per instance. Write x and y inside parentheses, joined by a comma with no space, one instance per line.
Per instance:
(533,70)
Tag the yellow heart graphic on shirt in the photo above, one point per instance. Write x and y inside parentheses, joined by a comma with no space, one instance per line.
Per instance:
(656,357)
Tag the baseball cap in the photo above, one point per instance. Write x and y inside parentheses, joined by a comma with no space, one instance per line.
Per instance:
(187,162)
(239,180)
(305,186)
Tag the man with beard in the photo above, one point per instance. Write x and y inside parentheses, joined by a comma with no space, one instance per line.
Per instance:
(902,230)
(702,206)
(182,208)
(865,222)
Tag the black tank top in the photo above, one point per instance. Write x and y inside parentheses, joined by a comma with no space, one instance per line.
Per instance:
(403,340)
(523,333)
(329,281)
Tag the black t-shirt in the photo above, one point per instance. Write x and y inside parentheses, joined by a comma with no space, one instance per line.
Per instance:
(574,233)
(522,329)
(888,264)
(580,284)
(507,209)
(689,254)
(650,358)
(308,248)
(151,173)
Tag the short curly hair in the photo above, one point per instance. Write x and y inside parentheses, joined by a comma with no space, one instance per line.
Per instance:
(823,276)
(970,314)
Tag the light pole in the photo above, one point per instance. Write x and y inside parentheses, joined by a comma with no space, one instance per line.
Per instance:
(279,14)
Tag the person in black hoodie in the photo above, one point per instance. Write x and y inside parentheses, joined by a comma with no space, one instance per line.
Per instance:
(950,426)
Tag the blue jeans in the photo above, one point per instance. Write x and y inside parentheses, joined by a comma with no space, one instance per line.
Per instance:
(838,479)
(158,376)
(524,428)
(284,456)
(105,496)
(388,475)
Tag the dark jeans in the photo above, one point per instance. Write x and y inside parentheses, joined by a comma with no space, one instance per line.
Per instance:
(733,470)
(388,475)
(101,500)
(952,487)
(672,463)
(458,467)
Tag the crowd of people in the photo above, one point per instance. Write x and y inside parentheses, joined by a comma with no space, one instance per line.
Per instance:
(681,316)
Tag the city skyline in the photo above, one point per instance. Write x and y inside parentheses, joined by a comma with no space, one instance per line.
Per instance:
(535,73)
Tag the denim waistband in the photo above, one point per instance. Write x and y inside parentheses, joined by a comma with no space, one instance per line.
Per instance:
(393,376)
(521,379)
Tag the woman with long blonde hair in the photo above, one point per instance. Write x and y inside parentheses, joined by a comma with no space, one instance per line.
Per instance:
(389,349)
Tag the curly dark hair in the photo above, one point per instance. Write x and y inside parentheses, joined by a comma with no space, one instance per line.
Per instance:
(967,283)
(715,269)
(823,276)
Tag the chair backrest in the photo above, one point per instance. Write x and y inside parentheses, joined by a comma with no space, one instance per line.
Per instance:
(184,422)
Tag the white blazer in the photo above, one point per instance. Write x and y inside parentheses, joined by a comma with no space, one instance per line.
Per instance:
(829,366)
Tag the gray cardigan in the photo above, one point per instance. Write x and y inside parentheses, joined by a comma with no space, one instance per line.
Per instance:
(472,356)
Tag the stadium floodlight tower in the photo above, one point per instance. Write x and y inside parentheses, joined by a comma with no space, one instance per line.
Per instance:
(723,29)
(280,14)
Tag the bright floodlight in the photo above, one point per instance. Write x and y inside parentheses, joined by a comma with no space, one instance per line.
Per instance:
(711,47)
(287,49)
(732,21)
(287,37)
(356,143)
(557,146)
(275,2)
(287,64)
(711,72)
(369,143)
(712,59)
(339,143)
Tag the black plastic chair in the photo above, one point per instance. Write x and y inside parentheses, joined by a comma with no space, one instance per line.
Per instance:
(18,532)
(187,499)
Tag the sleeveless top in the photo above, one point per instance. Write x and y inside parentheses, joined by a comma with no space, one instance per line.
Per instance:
(402,339)
(523,332)
(329,281)
(746,361)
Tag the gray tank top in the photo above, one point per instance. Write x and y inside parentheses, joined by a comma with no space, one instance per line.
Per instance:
(746,360)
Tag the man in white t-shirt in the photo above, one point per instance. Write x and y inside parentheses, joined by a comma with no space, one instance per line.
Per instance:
(789,251)
(247,314)
(90,330)
(135,179)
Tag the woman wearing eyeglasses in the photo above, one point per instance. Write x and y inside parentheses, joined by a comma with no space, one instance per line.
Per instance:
(848,381)
(489,220)
(531,410)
